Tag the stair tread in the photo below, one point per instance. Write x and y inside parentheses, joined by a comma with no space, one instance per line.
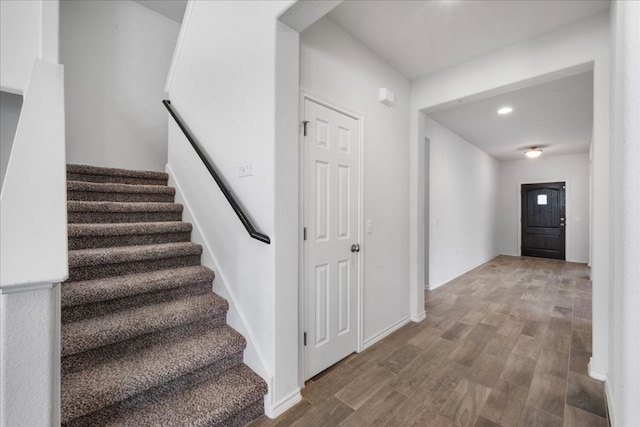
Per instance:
(96,290)
(119,254)
(98,170)
(211,402)
(87,206)
(121,229)
(105,384)
(120,326)
(108,187)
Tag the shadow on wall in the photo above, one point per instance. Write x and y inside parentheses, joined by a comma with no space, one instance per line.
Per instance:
(10,106)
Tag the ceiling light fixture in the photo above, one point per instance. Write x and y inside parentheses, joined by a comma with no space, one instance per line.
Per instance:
(533,152)
(505,110)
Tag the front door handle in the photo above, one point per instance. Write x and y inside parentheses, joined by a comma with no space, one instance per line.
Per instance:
(355,247)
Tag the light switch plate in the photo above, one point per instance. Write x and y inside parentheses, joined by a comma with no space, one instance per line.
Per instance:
(245,168)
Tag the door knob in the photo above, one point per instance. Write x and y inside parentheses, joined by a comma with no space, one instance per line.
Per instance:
(355,247)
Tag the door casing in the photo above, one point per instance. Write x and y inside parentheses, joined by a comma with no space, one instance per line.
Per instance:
(306,94)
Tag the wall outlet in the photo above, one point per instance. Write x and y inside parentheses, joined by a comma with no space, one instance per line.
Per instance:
(369,226)
(245,168)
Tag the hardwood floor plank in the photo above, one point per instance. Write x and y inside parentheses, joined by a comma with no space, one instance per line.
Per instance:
(553,362)
(331,412)
(377,410)
(330,384)
(533,417)
(400,358)
(528,347)
(547,393)
(464,404)
(486,369)
(586,393)
(519,370)
(574,417)
(505,403)
(359,390)
(579,362)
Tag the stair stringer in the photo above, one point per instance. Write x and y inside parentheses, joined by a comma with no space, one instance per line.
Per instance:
(253,357)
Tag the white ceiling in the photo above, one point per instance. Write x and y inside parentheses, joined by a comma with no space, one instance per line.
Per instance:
(421,37)
(556,116)
(172,9)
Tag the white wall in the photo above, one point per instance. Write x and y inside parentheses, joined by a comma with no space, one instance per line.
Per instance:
(238,107)
(569,50)
(623,381)
(574,170)
(10,106)
(116,56)
(19,42)
(463,205)
(340,70)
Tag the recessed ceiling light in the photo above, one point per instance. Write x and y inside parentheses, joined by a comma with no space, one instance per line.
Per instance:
(533,152)
(505,110)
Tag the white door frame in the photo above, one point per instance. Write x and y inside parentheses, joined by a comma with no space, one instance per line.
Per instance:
(307,95)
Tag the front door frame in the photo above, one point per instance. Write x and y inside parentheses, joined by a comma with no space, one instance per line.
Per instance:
(567,210)
(306,94)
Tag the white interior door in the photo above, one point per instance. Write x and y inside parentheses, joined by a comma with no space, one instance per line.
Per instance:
(331,219)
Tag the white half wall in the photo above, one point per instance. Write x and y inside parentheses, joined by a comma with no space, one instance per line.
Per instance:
(116,56)
(340,70)
(569,50)
(574,170)
(240,102)
(463,205)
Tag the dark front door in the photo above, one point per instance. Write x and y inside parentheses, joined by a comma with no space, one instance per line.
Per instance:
(543,220)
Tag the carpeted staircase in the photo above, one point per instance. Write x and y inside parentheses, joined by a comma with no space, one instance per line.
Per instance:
(144,339)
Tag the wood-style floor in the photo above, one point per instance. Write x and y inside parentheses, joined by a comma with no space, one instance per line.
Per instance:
(506,344)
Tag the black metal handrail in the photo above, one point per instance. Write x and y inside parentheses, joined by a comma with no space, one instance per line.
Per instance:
(219,180)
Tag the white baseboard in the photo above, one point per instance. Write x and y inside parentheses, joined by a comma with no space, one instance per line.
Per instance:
(444,282)
(278,408)
(419,318)
(595,374)
(377,337)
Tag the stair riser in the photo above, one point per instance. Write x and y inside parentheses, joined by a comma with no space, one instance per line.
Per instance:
(114,412)
(118,269)
(94,196)
(114,179)
(88,311)
(121,217)
(80,361)
(126,240)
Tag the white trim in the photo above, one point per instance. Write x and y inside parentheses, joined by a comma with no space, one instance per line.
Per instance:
(595,374)
(178,49)
(384,333)
(28,287)
(248,333)
(280,407)
(56,356)
(420,317)
(307,94)
(567,229)
(607,400)
(444,282)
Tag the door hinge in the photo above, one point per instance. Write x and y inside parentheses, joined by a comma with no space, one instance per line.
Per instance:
(304,126)
(305,338)
(304,233)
